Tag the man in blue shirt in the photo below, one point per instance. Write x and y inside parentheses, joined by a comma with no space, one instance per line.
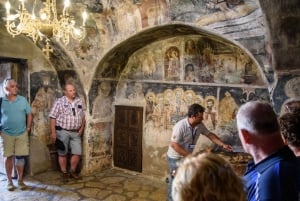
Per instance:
(273,175)
(16,120)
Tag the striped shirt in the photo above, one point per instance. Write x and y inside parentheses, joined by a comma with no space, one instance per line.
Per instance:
(68,115)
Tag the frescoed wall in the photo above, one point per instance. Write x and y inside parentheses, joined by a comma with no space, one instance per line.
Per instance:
(206,61)
(166,77)
(163,56)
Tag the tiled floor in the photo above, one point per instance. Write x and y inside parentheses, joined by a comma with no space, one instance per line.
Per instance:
(109,185)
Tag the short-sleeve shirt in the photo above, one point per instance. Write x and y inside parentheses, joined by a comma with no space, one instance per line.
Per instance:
(68,115)
(13,115)
(185,135)
(276,178)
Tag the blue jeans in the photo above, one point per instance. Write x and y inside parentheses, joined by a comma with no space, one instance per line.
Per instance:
(172,166)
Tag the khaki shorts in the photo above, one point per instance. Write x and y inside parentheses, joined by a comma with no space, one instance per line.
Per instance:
(15,145)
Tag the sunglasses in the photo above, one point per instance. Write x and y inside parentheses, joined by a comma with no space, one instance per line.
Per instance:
(73,110)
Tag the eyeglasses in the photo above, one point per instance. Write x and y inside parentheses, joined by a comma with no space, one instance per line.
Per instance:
(73,110)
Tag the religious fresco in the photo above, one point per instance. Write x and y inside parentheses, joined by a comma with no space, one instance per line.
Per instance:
(5,72)
(163,77)
(169,103)
(44,91)
(70,76)
(101,123)
(99,144)
(101,92)
(172,64)
(45,88)
(153,12)
(193,59)
(200,61)
(197,9)
(111,22)
(120,18)
(287,90)
(166,105)
(166,77)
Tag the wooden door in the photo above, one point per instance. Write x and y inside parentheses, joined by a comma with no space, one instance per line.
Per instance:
(128,138)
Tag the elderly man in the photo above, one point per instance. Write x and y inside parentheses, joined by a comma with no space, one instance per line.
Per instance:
(16,120)
(67,121)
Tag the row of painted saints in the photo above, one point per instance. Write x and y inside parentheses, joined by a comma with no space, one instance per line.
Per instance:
(169,106)
(194,61)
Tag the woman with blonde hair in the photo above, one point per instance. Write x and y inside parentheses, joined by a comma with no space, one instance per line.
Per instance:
(207,177)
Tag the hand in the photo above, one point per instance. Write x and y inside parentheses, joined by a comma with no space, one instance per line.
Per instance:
(28,130)
(227,147)
(80,131)
(53,137)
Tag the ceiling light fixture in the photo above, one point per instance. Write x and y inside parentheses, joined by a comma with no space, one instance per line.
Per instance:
(46,24)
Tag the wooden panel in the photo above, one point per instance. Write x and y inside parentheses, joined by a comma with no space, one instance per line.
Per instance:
(128,138)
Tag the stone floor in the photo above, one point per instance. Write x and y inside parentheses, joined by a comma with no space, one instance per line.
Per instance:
(109,185)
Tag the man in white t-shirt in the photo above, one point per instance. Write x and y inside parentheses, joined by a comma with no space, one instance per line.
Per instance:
(184,138)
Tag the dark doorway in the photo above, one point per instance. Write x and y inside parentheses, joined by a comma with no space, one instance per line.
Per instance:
(128,138)
(16,69)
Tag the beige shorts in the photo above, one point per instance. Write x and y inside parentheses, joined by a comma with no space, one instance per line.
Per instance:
(15,145)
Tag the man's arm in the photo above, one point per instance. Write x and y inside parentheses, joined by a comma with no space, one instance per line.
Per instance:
(81,129)
(214,138)
(52,127)
(178,149)
(29,122)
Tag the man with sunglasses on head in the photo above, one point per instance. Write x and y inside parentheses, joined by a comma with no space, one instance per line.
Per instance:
(184,138)
(67,121)
(16,120)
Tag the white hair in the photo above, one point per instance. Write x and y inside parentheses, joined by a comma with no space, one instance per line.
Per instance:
(257,117)
(6,83)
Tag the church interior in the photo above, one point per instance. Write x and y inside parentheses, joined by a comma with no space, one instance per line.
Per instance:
(139,64)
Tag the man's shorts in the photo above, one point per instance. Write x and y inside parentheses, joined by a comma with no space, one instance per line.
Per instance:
(70,139)
(15,145)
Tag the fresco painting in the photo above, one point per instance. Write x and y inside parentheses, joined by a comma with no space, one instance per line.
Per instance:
(202,61)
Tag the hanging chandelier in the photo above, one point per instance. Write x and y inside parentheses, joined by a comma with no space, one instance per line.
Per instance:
(46,24)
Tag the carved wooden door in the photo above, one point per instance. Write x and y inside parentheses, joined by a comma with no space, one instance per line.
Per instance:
(128,138)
